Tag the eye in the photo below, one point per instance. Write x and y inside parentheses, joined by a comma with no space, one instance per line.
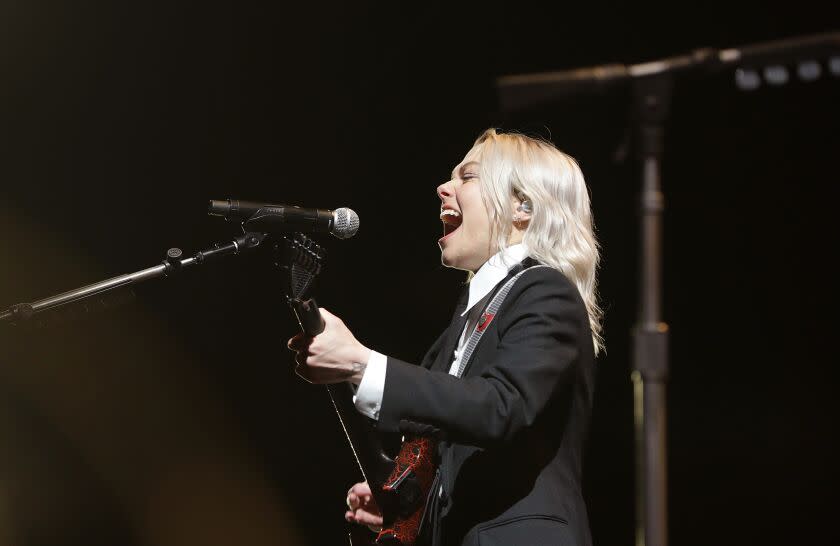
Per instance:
(469,176)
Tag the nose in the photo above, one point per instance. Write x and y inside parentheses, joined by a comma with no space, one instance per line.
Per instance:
(445,190)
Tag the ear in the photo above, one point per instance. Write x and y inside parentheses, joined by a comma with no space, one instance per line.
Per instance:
(522,209)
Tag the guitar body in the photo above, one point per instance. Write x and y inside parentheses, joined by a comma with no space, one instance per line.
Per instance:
(411,481)
(400,485)
(405,492)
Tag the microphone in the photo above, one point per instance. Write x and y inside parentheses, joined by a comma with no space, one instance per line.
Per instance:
(268,218)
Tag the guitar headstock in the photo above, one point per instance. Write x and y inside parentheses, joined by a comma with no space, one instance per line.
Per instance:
(300,259)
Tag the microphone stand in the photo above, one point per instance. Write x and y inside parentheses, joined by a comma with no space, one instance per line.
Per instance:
(173,264)
(652,98)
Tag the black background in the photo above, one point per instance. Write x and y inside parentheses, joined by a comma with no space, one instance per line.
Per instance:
(177,419)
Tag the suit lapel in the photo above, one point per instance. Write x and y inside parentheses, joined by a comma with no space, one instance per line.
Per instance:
(527,262)
(456,325)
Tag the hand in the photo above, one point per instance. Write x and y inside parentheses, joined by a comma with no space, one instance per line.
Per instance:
(332,356)
(362,507)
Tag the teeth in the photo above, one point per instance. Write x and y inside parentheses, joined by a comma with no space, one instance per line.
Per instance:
(450,212)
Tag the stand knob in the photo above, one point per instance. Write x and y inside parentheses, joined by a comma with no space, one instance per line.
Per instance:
(173,260)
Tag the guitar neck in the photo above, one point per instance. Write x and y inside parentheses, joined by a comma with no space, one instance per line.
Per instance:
(366,443)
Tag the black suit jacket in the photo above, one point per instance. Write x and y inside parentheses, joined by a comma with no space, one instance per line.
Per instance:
(513,426)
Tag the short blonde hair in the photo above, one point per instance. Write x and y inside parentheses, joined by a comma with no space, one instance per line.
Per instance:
(560,233)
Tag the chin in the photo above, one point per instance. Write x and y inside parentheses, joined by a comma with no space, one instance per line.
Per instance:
(448,260)
(454,262)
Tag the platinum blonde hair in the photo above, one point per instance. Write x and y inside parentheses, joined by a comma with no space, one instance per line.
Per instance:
(560,233)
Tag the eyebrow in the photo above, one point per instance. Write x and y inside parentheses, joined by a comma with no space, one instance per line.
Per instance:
(462,167)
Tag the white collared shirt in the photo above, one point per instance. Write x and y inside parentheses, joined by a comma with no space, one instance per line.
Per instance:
(368,399)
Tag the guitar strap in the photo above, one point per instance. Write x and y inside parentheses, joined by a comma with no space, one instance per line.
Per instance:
(486,317)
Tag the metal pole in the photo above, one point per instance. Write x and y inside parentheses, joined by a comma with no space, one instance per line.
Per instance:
(174,262)
(650,363)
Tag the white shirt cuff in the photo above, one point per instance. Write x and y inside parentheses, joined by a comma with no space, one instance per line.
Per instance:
(368,398)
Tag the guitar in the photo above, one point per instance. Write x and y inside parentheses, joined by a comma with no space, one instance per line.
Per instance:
(400,484)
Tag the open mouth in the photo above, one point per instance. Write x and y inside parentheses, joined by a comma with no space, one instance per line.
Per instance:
(451,221)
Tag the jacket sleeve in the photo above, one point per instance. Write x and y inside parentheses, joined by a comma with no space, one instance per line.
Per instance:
(540,325)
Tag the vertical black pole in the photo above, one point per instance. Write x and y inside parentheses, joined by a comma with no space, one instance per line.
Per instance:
(650,336)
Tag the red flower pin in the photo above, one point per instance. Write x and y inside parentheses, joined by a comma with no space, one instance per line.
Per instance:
(485,319)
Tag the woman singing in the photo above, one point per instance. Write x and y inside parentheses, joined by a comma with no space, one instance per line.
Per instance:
(514,415)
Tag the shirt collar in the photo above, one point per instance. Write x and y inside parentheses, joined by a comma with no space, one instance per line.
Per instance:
(492,272)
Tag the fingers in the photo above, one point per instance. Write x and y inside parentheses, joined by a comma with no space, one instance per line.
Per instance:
(300,342)
(361,488)
(363,517)
(328,357)
(362,507)
(353,501)
(359,496)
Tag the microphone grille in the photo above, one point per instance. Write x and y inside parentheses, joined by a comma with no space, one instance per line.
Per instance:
(345,223)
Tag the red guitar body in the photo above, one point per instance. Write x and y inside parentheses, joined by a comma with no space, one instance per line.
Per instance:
(414,473)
